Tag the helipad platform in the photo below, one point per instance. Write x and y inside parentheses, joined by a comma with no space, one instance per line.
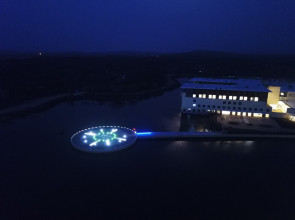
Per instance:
(103,139)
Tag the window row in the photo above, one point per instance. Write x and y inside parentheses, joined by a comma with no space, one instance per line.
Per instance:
(230,107)
(224,102)
(241,98)
(249,114)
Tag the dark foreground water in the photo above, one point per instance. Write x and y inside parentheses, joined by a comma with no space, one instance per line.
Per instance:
(43,177)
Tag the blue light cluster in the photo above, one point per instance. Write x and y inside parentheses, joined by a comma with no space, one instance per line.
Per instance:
(144,133)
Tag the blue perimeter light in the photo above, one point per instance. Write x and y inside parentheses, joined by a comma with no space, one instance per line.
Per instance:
(144,133)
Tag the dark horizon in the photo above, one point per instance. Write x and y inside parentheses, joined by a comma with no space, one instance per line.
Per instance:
(135,53)
(251,27)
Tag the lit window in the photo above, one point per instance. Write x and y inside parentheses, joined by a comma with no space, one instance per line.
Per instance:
(224,97)
(249,114)
(233,113)
(194,95)
(204,96)
(256,99)
(238,113)
(213,96)
(282,94)
(257,115)
(210,96)
(241,97)
(220,96)
(245,98)
(200,95)
(251,99)
(225,112)
(234,97)
(230,97)
(244,113)
(194,105)
(267,115)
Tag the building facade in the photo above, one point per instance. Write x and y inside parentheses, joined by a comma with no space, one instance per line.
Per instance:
(244,97)
(285,94)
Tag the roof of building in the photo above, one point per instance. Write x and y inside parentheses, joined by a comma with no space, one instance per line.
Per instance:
(226,84)
(285,85)
(290,103)
(287,88)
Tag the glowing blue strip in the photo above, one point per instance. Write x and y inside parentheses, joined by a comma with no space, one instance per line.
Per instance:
(144,133)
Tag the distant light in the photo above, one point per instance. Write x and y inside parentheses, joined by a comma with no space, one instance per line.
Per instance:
(124,136)
(85,141)
(40,54)
(108,143)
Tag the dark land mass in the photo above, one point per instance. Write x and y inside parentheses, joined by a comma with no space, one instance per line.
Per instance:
(123,75)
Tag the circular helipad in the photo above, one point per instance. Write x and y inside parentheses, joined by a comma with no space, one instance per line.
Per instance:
(103,139)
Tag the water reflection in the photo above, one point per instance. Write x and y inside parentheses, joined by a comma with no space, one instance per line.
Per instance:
(240,147)
(244,147)
(199,123)
(171,123)
(178,145)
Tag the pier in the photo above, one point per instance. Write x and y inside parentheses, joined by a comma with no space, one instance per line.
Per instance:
(214,136)
(105,139)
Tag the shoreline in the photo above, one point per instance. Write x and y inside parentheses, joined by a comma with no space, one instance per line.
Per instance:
(25,110)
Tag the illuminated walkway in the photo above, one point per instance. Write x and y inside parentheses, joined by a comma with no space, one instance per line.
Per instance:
(105,139)
(208,136)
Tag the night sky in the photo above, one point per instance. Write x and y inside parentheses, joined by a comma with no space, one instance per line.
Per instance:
(246,26)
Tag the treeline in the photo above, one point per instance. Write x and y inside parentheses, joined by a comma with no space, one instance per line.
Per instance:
(38,76)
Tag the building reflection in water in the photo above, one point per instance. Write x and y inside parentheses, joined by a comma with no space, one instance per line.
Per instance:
(199,123)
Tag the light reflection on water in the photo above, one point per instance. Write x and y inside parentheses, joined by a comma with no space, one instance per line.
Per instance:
(240,147)
(234,146)
(243,147)
(171,123)
(178,145)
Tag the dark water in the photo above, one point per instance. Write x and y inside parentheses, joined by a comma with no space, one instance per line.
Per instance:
(43,177)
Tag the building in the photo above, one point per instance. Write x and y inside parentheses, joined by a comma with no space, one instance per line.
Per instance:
(283,104)
(242,97)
